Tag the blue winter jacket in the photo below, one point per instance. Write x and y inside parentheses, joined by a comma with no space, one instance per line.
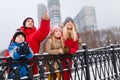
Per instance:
(12,49)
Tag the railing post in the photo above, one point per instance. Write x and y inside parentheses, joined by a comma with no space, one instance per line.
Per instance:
(42,70)
(114,61)
(86,61)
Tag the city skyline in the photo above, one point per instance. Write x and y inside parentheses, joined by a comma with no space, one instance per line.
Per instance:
(85,18)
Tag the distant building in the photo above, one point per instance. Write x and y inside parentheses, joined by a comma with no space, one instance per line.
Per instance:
(2,53)
(41,10)
(54,12)
(86,19)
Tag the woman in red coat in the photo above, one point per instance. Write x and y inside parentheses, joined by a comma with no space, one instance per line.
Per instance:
(71,41)
(35,37)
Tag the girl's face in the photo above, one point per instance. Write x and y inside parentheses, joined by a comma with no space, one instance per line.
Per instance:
(69,25)
(57,33)
(19,39)
(29,23)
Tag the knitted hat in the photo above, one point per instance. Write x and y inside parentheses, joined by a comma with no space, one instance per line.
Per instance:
(18,33)
(55,28)
(67,20)
(24,22)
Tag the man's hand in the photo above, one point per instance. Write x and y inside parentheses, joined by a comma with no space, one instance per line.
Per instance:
(45,16)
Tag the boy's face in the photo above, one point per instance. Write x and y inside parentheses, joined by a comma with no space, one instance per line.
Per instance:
(19,39)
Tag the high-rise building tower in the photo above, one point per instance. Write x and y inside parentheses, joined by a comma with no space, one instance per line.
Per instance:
(54,12)
(86,19)
(41,10)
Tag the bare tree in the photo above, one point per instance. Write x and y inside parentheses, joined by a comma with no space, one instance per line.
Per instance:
(100,38)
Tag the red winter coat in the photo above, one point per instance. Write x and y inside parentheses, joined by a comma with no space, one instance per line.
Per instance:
(73,46)
(35,37)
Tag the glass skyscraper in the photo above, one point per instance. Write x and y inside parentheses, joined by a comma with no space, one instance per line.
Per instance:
(86,19)
(54,12)
(41,10)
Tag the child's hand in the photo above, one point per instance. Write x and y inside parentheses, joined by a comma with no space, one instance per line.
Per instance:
(60,50)
(66,49)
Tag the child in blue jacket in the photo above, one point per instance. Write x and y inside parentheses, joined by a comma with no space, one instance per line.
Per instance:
(20,51)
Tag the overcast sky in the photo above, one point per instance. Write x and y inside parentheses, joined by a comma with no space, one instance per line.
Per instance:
(13,12)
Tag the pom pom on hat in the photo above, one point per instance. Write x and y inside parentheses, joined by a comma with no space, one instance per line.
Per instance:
(55,28)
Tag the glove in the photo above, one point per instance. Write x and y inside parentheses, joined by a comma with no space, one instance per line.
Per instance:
(26,51)
(19,51)
(66,49)
(25,48)
(24,45)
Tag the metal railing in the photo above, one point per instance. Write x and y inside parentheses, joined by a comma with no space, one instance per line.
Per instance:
(87,64)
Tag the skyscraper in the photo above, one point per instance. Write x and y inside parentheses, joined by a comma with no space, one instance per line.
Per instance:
(54,12)
(86,19)
(41,10)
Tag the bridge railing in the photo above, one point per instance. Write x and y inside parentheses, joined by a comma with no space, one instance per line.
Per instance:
(87,64)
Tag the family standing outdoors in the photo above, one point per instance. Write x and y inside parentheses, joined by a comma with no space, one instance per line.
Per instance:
(61,40)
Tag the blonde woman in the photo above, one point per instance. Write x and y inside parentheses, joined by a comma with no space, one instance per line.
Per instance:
(70,37)
(55,45)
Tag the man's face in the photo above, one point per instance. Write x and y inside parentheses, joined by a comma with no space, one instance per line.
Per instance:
(29,23)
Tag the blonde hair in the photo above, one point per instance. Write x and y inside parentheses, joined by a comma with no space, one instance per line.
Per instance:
(54,41)
(70,33)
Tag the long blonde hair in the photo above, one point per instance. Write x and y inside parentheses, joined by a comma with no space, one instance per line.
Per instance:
(53,41)
(70,33)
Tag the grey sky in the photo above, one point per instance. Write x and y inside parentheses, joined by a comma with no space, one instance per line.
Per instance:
(13,12)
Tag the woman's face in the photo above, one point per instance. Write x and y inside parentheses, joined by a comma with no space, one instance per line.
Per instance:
(29,23)
(57,33)
(69,25)
(19,39)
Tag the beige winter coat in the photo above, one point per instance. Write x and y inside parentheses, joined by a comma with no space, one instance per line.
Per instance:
(51,50)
